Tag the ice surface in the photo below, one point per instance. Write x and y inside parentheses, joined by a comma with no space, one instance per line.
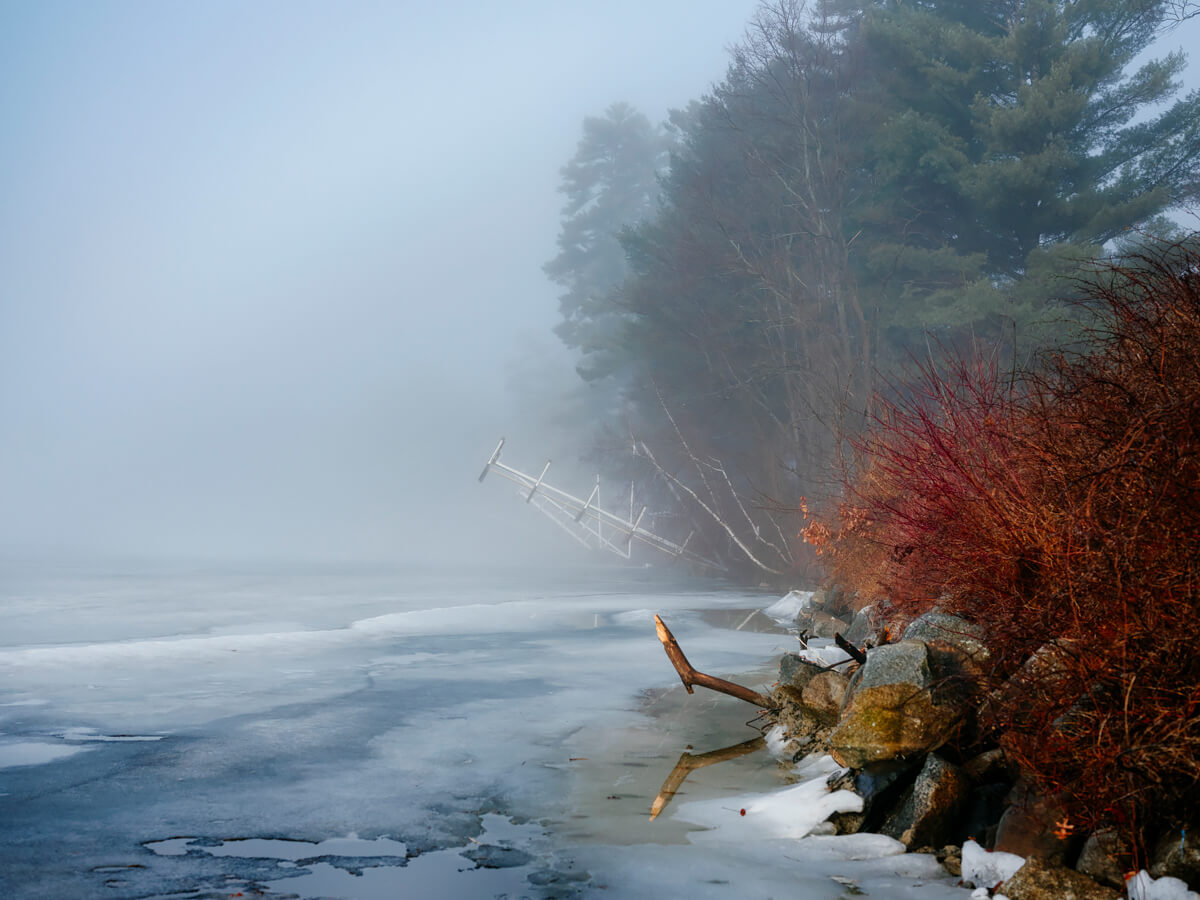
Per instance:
(791,812)
(273,848)
(1143,887)
(987,869)
(509,734)
(32,753)
(789,606)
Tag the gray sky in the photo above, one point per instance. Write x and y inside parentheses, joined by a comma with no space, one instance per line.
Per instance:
(265,267)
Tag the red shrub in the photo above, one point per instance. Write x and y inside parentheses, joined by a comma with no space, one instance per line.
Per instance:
(1063,506)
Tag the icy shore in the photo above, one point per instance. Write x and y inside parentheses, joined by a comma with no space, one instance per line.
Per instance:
(198,734)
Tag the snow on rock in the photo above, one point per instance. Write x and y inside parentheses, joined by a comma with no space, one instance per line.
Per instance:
(792,812)
(1142,887)
(985,869)
(823,652)
(777,741)
(787,608)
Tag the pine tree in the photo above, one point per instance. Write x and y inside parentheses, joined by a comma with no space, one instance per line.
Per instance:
(1012,143)
(610,184)
(867,172)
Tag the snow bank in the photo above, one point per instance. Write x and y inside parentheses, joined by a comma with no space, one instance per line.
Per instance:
(857,846)
(985,869)
(792,812)
(1142,887)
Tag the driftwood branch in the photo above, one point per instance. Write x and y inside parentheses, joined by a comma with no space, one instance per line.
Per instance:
(689,676)
(689,763)
(857,655)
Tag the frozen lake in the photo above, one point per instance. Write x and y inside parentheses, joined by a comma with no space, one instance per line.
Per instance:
(381,734)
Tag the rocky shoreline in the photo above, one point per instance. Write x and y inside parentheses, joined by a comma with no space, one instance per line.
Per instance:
(905,720)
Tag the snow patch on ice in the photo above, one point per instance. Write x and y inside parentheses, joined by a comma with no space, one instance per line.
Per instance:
(1143,887)
(792,812)
(985,869)
(33,753)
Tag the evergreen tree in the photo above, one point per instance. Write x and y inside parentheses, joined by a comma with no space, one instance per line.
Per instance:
(1012,142)
(867,172)
(610,184)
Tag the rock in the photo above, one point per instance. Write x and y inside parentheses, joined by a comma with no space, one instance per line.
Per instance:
(988,767)
(904,663)
(958,656)
(819,623)
(939,626)
(1104,857)
(863,627)
(824,693)
(1040,880)
(796,671)
(985,806)
(1177,855)
(950,857)
(879,785)
(1048,672)
(1028,827)
(804,730)
(753,620)
(929,812)
(890,712)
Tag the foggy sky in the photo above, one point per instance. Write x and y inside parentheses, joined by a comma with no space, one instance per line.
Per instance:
(266,268)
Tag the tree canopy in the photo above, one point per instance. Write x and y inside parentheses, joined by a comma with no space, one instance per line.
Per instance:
(867,173)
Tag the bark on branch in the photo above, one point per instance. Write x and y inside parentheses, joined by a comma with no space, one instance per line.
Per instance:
(689,676)
(857,655)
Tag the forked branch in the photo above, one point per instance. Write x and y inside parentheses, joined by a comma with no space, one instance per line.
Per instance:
(689,676)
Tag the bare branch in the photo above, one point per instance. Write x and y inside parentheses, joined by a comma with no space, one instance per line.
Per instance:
(645,452)
(689,676)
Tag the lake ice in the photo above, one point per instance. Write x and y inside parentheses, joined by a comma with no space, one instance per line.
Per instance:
(368,734)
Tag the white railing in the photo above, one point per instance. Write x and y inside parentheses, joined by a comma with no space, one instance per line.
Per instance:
(585,520)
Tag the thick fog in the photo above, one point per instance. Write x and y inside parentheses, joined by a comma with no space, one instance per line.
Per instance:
(268,271)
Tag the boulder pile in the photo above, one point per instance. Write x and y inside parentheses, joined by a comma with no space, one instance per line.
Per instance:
(904,723)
